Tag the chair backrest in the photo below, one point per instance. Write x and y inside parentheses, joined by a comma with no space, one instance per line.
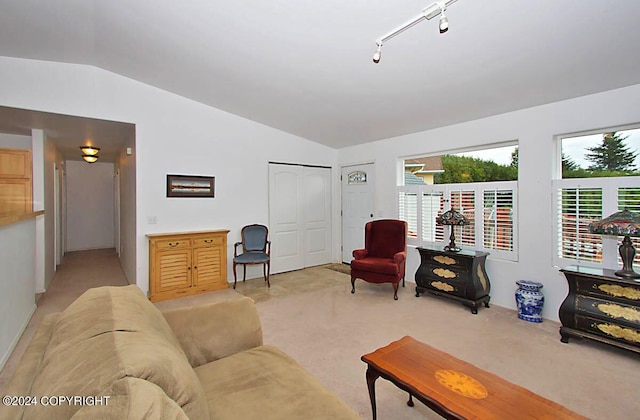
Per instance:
(385,237)
(254,237)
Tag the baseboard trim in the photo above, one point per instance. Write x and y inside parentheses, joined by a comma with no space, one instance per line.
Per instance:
(14,343)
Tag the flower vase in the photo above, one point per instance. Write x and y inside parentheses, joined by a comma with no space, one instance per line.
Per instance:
(529,300)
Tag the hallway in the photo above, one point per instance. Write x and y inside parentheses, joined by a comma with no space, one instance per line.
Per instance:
(79,271)
(82,270)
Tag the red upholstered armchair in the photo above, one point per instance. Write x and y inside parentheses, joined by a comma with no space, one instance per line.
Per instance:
(383,259)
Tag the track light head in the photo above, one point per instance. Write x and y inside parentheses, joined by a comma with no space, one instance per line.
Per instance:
(444,22)
(378,54)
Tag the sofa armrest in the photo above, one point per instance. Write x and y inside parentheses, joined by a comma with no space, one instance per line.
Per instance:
(359,254)
(399,257)
(212,331)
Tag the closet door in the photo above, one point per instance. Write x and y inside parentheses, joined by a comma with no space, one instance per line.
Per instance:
(317,222)
(299,216)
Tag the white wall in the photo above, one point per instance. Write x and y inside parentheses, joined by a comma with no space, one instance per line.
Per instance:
(51,159)
(17,300)
(535,129)
(126,166)
(15,141)
(177,135)
(90,205)
(174,135)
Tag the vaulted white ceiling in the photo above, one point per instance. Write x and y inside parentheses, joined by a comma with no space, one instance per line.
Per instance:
(305,67)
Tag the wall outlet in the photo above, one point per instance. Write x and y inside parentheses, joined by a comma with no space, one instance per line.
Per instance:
(152,220)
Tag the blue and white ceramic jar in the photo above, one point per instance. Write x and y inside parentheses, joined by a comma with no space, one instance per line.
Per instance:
(529,300)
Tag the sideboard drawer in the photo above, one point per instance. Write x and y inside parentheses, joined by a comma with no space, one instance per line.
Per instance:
(609,329)
(608,290)
(173,243)
(608,310)
(207,241)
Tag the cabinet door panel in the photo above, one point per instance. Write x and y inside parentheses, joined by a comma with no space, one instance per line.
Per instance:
(15,196)
(207,266)
(173,270)
(15,163)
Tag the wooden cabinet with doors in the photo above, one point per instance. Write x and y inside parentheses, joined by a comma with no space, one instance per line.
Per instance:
(16,195)
(188,263)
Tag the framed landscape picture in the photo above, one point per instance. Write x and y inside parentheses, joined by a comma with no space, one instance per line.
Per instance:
(190,186)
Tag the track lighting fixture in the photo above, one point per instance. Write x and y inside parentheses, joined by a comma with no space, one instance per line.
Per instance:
(444,22)
(431,11)
(377,54)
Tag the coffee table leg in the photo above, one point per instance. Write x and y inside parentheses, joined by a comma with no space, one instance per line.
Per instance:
(410,402)
(372,375)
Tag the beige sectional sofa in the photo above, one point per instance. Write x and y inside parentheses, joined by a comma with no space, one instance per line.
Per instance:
(113,355)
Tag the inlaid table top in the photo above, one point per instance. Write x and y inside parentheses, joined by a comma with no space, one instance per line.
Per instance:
(454,388)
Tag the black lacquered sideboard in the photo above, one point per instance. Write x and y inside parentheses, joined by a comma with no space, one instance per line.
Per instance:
(457,275)
(601,306)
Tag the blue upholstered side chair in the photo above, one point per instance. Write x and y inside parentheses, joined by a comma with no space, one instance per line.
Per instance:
(256,249)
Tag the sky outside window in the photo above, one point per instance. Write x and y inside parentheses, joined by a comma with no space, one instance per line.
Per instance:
(575,148)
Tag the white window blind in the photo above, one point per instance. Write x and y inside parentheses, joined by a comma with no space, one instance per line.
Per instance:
(465,202)
(629,198)
(408,211)
(489,206)
(577,208)
(432,207)
(497,225)
(581,201)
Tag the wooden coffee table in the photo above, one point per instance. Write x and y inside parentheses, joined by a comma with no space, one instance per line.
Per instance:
(454,388)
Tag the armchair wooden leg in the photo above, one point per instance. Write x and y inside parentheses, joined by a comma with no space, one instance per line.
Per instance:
(235,278)
(267,268)
(353,285)
(402,281)
(395,291)
(244,272)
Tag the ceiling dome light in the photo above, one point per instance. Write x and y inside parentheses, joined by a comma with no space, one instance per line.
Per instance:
(90,153)
(378,54)
(89,150)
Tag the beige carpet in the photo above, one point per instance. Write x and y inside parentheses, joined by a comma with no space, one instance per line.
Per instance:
(340,268)
(312,315)
(328,330)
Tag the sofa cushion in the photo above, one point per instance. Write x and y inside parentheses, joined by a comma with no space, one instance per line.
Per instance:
(133,398)
(264,383)
(29,366)
(107,334)
(215,330)
(376,265)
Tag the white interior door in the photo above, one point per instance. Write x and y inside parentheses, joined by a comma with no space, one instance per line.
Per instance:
(299,216)
(286,217)
(357,206)
(317,221)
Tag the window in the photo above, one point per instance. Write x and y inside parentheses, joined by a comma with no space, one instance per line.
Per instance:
(613,153)
(600,175)
(489,206)
(480,184)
